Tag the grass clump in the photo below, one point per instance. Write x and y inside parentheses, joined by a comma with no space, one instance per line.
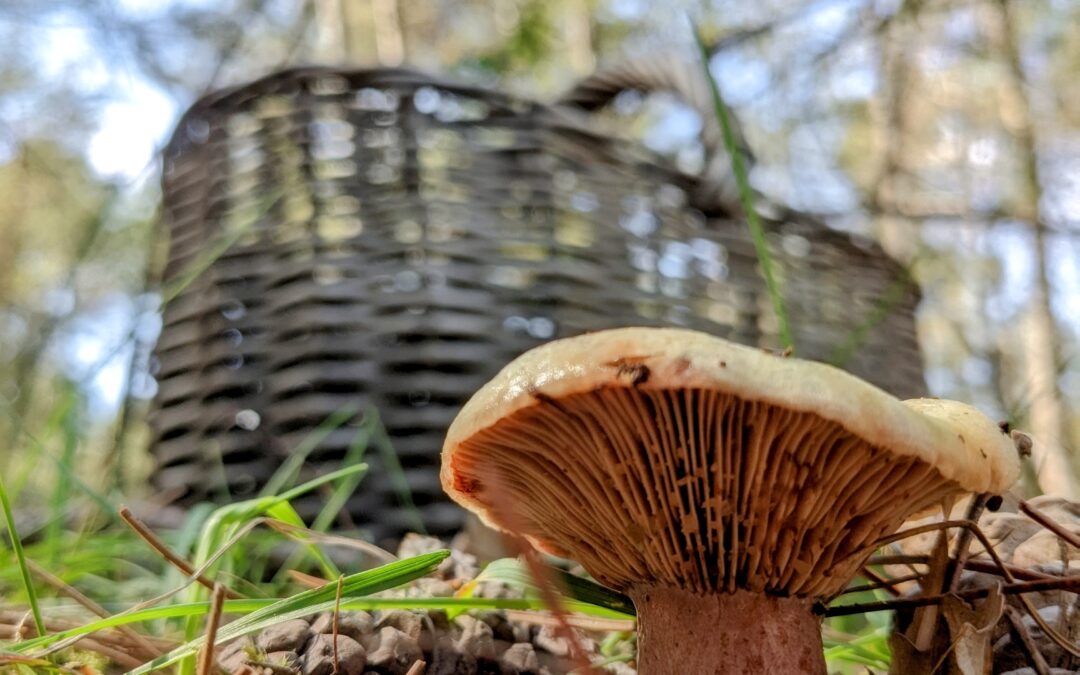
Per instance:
(230,547)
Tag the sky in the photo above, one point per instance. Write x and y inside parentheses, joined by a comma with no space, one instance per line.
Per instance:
(134,119)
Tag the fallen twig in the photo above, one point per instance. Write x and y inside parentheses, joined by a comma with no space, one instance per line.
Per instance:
(898,559)
(1018,573)
(877,581)
(945,524)
(1021,633)
(576,620)
(337,613)
(217,600)
(1070,584)
(149,651)
(955,566)
(1002,568)
(167,553)
(1047,522)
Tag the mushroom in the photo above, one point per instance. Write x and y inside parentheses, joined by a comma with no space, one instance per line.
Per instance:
(725,489)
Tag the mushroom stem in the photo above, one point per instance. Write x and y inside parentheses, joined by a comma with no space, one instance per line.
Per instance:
(681,632)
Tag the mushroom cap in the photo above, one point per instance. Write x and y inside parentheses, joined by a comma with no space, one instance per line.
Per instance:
(653,454)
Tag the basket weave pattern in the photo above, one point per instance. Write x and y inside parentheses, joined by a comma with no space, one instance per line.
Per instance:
(387,238)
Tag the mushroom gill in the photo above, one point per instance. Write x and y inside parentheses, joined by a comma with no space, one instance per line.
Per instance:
(696,489)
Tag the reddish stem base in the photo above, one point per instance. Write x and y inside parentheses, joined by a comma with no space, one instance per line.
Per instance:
(682,633)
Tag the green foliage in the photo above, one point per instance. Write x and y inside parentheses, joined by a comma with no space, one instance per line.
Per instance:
(215,534)
(587,596)
(746,196)
(528,45)
(870,650)
(20,559)
(858,642)
(310,602)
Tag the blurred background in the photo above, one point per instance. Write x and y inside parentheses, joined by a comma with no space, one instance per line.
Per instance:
(948,131)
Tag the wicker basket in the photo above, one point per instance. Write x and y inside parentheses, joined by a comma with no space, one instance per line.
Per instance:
(386,238)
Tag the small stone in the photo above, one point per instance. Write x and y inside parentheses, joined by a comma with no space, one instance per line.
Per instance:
(479,542)
(447,659)
(429,587)
(495,590)
(465,566)
(287,659)
(521,632)
(548,640)
(396,652)
(621,668)
(519,659)
(500,626)
(407,622)
(319,658)
(501,646)
(476,638)
(357,625)
(459,565)
(439,621)
(235,654)
(323,623)
(285,636)
(413,544)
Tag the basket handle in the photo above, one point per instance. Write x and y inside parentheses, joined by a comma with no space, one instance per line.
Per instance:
(676,74)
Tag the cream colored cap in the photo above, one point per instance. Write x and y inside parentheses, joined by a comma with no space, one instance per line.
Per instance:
(599,422)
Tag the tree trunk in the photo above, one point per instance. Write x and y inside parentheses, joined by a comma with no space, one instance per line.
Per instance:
(1053,463)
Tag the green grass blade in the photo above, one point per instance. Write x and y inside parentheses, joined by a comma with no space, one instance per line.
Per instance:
(285,512)
(870,649)
(106,507)
(290,468)
(140,616)
(746,196)
(343,472)
(49,430)
(61,496)
(282,510)
(346,488)
(586,596)
(340,496)
(248,606)
(592,593)
(394,470)
(225,521)
(302,604)
(20,558)
(192,528)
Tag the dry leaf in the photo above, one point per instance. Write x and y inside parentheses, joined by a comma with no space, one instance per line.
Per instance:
(970,631)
